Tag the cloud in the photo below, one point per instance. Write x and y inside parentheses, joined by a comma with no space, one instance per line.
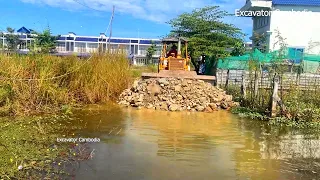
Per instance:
(159,11)
(154,10)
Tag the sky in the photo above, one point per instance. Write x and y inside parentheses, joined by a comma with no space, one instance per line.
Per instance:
(133,18)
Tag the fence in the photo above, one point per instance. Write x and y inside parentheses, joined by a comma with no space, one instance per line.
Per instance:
(234,77)
(143,61)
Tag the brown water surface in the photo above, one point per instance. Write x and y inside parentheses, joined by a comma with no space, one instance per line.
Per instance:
(152,145)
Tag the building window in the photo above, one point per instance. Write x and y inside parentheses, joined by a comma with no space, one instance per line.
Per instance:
(61,46)
(92,47)
(80,47)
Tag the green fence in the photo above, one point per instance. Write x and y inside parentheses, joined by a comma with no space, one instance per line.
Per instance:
(309,62)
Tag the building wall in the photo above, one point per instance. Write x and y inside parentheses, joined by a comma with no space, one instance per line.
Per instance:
(90,44)
(298,28)
(261,24)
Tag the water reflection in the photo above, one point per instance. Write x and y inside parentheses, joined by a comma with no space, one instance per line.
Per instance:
(166,145)
(105,122)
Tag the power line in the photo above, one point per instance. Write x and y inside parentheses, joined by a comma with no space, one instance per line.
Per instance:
(85,5)
(111,27)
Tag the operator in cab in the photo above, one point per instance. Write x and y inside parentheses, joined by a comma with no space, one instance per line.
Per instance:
(173,51)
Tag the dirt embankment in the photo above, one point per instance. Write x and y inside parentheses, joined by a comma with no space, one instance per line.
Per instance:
(175,94)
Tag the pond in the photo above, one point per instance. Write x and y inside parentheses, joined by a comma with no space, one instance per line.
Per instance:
(148,144)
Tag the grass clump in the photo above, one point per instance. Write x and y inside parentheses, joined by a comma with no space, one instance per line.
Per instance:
(29,149)
(43,83)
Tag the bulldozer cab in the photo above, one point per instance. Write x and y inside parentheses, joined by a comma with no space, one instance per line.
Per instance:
(177,60)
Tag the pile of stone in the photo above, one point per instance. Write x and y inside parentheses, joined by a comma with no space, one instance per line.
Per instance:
(175,94)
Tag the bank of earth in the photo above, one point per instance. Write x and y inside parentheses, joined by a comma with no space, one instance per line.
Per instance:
(176,94)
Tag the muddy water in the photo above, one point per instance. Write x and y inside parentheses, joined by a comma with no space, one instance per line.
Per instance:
(145,145)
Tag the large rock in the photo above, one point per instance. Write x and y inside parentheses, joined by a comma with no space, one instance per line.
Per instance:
(200,108)
(213,106)
(177,88)
(164,106)
(154,89)
(163,81)
(224,105)
(150,106)
(174,107)
(208,109)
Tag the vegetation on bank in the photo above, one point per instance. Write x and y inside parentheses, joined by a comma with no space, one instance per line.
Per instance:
(29,148)
(33,84)
(302,107)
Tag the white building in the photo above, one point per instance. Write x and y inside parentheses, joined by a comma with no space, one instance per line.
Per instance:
(296,20)
(72,43)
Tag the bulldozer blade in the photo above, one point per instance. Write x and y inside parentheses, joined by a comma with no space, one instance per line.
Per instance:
(178,74)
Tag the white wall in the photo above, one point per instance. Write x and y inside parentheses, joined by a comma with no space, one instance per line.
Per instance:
(298,28)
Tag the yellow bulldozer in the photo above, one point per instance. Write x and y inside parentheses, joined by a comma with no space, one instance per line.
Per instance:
(174,63)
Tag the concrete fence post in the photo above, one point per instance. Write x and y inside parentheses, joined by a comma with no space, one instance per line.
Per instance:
(274,98)
(227,79)
(256,84)
(243,86)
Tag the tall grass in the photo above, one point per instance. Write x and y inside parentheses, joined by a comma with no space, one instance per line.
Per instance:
(43,83)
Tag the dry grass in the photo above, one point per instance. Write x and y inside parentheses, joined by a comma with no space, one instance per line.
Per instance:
(43,83)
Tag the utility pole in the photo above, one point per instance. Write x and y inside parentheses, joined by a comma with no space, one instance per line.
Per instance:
(138,41)
(111,28)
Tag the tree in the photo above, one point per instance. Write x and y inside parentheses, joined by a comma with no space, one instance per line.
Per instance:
(260,41)
(12,39)
(238,49)
(207,32)
(150,51)
(45,42)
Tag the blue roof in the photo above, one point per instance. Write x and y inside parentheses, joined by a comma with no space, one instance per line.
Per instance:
(87,39)
(297,2)
(149,42)
(23,30)
(145,42)
(62,38)
(119,40)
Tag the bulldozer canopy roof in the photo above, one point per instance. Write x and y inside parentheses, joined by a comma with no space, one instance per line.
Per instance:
(173,40)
